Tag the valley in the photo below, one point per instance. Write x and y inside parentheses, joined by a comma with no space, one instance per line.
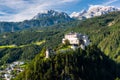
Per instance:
(9,71)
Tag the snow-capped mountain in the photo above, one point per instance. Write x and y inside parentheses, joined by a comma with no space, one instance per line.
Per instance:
(50,13)
(95,10)
(42,19)
(48,17)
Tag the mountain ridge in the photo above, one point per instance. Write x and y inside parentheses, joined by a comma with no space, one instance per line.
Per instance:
(51,17)
(96,10)
(43,19)
(50,13)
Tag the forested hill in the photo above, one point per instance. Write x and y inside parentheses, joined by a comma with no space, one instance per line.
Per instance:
(89,64)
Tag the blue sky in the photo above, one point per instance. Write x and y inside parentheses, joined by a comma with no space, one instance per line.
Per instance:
(19,10)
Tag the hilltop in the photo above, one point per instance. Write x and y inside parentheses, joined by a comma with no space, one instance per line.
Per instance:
(89,64)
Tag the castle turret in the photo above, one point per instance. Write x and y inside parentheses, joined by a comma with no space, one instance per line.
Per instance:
(49,53)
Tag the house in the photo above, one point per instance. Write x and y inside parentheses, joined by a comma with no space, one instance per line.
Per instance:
(76,39)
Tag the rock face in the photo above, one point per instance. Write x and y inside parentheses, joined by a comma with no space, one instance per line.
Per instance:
(51,13)
(93,11)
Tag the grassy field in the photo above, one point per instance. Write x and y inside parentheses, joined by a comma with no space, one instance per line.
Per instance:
(15,46)
(8,46)
(39,43)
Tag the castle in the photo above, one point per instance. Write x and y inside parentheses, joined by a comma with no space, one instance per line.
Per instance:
(76,40)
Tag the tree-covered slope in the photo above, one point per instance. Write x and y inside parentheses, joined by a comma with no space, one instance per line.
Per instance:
(89,64)
(111,44)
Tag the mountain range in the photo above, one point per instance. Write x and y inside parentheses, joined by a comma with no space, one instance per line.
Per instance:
(51,17)
(93,11)
(51,13)
(42,19)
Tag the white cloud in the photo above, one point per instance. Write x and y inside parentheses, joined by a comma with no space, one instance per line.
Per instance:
(110,2)
(3,13)
(65,1)
(26,9)
(14,4)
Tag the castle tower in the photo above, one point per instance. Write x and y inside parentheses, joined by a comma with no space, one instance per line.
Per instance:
(47,53)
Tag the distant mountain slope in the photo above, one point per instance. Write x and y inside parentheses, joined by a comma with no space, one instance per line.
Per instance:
(110,44)
(50,17)
(51,13)
(96,10)
(44,19)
